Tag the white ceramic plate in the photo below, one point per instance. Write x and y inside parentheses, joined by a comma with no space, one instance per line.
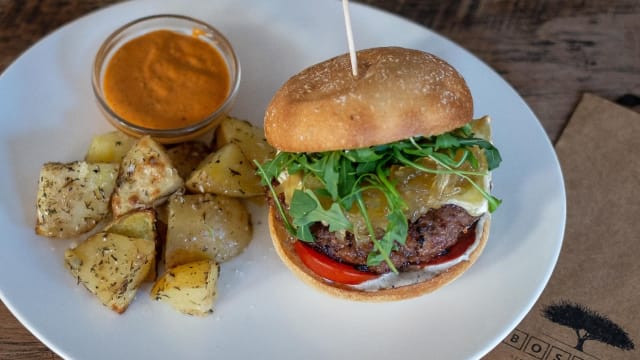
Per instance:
(48,113)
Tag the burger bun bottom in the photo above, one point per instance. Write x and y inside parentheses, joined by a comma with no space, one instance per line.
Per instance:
(283,244)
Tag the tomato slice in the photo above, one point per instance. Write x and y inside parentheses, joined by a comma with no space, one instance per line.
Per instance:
(329,268)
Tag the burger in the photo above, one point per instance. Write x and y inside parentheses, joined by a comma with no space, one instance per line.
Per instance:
(380,189)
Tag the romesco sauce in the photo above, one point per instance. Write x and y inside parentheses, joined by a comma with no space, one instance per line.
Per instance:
(165,80)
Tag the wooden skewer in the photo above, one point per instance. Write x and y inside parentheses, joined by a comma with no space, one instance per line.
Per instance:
(352,50)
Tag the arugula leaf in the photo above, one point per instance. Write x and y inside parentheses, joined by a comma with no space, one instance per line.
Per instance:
(306,209)
(465,131)
(381,251)
(493,158)
(346,182)
(271,169)
(302,203)
(490,152)
(472,159)
(449,160)
(365,168)
(363,155)
(330,174)
(304,233)
(268,180)
(446,141)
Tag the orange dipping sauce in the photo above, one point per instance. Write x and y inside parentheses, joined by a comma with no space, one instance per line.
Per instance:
(165,80)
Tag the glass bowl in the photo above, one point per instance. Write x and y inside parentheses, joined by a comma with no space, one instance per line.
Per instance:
(182,25)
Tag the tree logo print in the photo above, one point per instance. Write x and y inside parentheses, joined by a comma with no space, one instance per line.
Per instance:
(588,325)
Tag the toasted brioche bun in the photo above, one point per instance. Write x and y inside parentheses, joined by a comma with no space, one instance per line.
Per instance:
(283,244)
(398,93)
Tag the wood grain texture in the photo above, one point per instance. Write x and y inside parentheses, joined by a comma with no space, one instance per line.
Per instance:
(550,51)
(18,343)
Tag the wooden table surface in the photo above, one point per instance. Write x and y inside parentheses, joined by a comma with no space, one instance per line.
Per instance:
(549,51)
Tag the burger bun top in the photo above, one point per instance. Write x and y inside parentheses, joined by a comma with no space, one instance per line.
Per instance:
(398,93)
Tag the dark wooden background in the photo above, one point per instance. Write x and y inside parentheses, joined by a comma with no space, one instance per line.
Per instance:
(549,51)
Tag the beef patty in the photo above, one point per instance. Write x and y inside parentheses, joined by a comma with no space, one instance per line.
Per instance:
(428,236)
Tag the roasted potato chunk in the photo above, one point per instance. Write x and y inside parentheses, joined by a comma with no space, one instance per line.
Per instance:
(146,178)
(250,139)
(187,156)
(205,227)
(73,198)
(137,224)
(189,288)
(226,172)
(109,147)
(111,266)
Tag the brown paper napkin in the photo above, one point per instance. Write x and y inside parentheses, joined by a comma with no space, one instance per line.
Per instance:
(591,307)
